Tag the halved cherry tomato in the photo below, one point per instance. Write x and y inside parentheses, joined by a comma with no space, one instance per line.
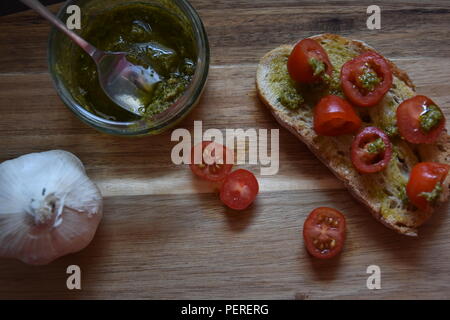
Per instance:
(308,61)
(212,166)
(424,178)
(410,114)
(371,150)
(366,79)
(333,116)
(239,189)
(324,232)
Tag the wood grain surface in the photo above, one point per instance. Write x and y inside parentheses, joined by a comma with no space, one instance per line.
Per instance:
(165,235)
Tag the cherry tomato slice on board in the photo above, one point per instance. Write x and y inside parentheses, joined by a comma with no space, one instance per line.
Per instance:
(215,161)
(308,61)
(239,189)
(409,116)
(423,179)
(366,79)
(324,232)
(371,150)
(333,116)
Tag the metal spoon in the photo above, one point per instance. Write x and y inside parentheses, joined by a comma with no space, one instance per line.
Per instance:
(122,81)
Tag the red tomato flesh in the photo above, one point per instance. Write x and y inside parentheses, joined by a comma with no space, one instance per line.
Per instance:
(423,179)
(239,189)
(333,116)
(365,156)
(299,61)
(408,121)
(215,162)
(324,232)
(361,67)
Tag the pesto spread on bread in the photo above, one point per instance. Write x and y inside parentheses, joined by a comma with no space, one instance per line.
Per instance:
(292,104)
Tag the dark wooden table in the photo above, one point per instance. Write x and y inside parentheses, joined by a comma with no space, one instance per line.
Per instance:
(165,234)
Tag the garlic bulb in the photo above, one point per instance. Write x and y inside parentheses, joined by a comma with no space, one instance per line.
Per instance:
(48,207)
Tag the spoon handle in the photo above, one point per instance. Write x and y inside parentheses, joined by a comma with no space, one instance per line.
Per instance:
(44,12)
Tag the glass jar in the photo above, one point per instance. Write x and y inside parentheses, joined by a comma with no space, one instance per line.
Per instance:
(60,48)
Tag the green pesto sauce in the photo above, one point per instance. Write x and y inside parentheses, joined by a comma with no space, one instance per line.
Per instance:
(151,36)
(317,66)
(391,130)
(376,146)
(430,118)
(402,195)
(433,195)
(290,99)
(333,83)
(282,84)
(369,80)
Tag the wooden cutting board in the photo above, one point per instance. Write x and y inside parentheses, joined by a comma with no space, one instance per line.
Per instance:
(165,234)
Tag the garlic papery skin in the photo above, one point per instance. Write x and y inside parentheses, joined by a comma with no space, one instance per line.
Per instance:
(48,207)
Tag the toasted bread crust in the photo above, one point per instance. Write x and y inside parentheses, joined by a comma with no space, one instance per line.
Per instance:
(306,135)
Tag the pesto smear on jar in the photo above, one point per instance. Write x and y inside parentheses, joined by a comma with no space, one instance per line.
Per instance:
(151,36)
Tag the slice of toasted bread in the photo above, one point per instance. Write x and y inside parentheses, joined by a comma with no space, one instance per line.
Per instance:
(384,192)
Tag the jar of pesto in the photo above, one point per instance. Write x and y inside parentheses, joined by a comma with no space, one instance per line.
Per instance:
(167,35)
